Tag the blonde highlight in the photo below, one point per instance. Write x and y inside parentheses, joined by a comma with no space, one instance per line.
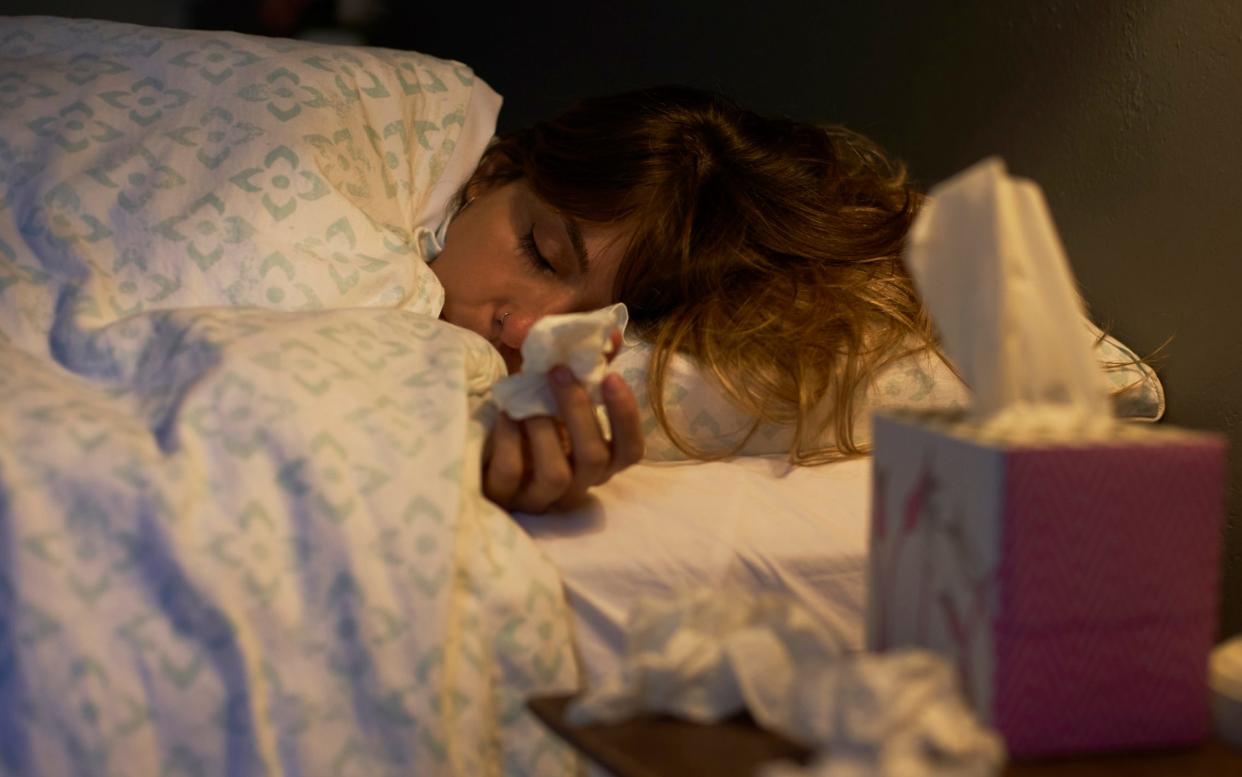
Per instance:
(767,250)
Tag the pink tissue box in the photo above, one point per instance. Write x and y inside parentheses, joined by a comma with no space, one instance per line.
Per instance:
(1074,585)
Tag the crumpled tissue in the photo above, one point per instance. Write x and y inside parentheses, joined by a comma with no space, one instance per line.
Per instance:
(577,340)
(1225,681)
(988,264)
(711,654)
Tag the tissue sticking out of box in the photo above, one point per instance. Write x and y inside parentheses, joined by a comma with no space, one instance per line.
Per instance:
(991,270)
(577,340)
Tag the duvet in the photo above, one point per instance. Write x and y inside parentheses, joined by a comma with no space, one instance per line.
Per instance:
(241,529)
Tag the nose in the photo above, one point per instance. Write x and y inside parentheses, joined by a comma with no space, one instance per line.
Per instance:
(516,327)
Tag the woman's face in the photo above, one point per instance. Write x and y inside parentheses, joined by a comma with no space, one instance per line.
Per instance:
(509,259)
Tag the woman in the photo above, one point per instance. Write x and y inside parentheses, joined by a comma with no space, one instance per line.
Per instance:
(765,249)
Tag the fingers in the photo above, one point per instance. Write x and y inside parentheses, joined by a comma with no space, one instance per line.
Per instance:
(504,466)
(526,467)
(623,416)
(550,472)
(541,462)
(591,454)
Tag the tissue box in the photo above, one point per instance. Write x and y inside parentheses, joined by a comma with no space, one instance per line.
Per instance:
(1074,585)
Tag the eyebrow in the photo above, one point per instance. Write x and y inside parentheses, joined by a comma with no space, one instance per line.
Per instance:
(579,245)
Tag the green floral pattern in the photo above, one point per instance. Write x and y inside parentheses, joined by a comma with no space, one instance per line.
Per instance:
(169,168)
(264,531)
(241,529)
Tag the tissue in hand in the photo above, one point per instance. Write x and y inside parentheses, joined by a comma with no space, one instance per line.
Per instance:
(576,340)
(1067,563)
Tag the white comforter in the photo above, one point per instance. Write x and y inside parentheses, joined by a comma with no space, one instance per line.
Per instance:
(253,542)
(241,529)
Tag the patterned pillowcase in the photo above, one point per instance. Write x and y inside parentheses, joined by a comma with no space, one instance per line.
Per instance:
(700,412)
(146,168)
(1138,392)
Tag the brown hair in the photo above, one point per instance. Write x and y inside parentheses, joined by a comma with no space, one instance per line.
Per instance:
(768,250)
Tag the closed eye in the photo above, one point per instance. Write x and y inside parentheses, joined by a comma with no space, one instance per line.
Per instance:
(531,250)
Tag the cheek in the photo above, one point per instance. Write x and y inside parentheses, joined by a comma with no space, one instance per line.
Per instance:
(458,263)
(472,259)
(474,277)
(443,268)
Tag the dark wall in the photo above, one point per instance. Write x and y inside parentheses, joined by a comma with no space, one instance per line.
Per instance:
(153,13)
(1128,113)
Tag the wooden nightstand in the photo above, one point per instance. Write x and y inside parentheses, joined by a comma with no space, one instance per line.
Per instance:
(658,746)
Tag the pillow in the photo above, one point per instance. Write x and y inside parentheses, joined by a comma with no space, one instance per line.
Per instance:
(146,168)
(1138,394)
(699,411)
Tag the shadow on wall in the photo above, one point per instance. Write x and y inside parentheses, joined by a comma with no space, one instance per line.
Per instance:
(328,21)
(153,13)
(1127,115)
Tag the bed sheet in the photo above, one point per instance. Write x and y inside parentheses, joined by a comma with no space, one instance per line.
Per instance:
(753,523)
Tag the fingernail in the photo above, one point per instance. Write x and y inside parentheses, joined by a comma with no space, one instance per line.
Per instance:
(562,376)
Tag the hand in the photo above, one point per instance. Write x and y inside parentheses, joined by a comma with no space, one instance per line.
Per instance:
(543,462)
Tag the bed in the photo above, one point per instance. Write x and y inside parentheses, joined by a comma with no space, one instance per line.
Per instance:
(750,524)
(240,523)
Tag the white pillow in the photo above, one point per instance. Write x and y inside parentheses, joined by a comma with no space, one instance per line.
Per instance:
(144,168)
